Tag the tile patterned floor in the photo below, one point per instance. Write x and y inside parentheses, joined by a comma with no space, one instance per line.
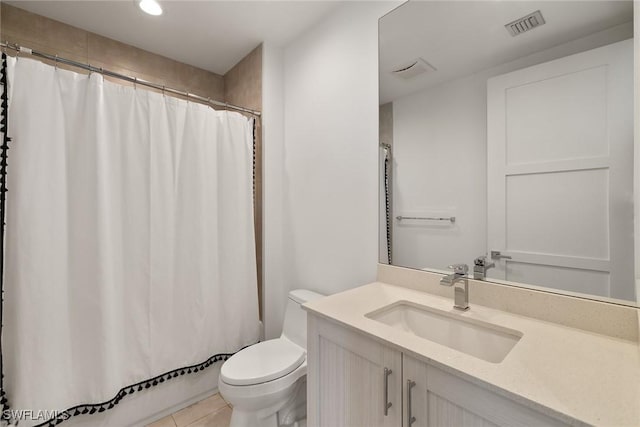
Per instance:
(210,412)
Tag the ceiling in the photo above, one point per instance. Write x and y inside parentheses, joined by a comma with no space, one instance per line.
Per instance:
(460,38)
(213,35)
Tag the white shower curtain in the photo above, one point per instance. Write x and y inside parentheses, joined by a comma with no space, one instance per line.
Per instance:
(130,245)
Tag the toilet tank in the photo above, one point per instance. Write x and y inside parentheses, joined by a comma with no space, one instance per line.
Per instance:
(295,318)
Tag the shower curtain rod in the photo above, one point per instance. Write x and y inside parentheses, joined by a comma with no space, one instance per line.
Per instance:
(136,81)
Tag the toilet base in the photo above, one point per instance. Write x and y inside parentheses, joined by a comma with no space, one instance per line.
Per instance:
(240,419)
(288,413)
(245,419)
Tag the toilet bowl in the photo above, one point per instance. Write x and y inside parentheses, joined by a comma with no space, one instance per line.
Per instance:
(266,383)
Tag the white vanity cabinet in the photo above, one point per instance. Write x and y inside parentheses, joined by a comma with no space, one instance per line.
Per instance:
(347,387)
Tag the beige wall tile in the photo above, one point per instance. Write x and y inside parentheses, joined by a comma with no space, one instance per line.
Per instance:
(386,123)
(156,68)
(43,48)
(128,57)
(200,82)
(29,27)
(243,83)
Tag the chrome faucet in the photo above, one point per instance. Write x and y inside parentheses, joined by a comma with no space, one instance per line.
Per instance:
(480,267)
(461,294)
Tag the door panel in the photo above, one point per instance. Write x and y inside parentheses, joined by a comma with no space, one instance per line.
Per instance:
(543,209)
(571,108)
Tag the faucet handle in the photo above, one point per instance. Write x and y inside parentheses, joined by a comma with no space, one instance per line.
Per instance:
(459,268)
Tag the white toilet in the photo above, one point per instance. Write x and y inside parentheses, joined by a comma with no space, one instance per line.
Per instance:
(267,383)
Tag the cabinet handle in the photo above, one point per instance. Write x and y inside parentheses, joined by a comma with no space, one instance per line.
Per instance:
(387,404)
(410,385)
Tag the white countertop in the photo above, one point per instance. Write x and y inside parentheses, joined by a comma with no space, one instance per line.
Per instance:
(562,371)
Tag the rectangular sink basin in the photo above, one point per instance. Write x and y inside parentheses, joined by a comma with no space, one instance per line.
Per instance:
(473,337)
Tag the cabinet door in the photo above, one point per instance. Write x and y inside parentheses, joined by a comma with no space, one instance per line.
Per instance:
(440,399)
(346,378)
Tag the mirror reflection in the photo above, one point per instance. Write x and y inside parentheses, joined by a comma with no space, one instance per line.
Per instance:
(506,142)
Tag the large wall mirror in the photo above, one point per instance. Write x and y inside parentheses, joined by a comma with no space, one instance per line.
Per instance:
(507,143)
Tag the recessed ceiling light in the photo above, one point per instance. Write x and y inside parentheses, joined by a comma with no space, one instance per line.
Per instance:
(152,7)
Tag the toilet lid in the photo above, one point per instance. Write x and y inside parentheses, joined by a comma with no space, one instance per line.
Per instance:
(262,362)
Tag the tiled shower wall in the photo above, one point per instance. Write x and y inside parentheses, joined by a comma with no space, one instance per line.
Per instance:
(386,123)
(242,85)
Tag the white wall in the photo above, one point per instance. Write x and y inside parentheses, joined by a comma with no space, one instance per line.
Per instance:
(439,169)
(440,161)
(274,287)
(327,228)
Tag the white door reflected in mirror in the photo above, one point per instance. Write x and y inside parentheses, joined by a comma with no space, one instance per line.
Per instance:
(559,136)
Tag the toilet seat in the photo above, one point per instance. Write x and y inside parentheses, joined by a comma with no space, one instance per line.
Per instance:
(262,362)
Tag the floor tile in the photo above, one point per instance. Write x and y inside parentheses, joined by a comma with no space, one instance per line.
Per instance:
(163,422)
(222,418)
(199,410)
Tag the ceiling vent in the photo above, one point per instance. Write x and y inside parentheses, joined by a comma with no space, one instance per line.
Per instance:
(413,68)
(525,23)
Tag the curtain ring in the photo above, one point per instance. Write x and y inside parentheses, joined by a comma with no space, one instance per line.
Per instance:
(56,62)
(135,83)
(163,92)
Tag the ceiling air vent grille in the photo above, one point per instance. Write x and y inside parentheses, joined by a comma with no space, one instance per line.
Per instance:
(525,23)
